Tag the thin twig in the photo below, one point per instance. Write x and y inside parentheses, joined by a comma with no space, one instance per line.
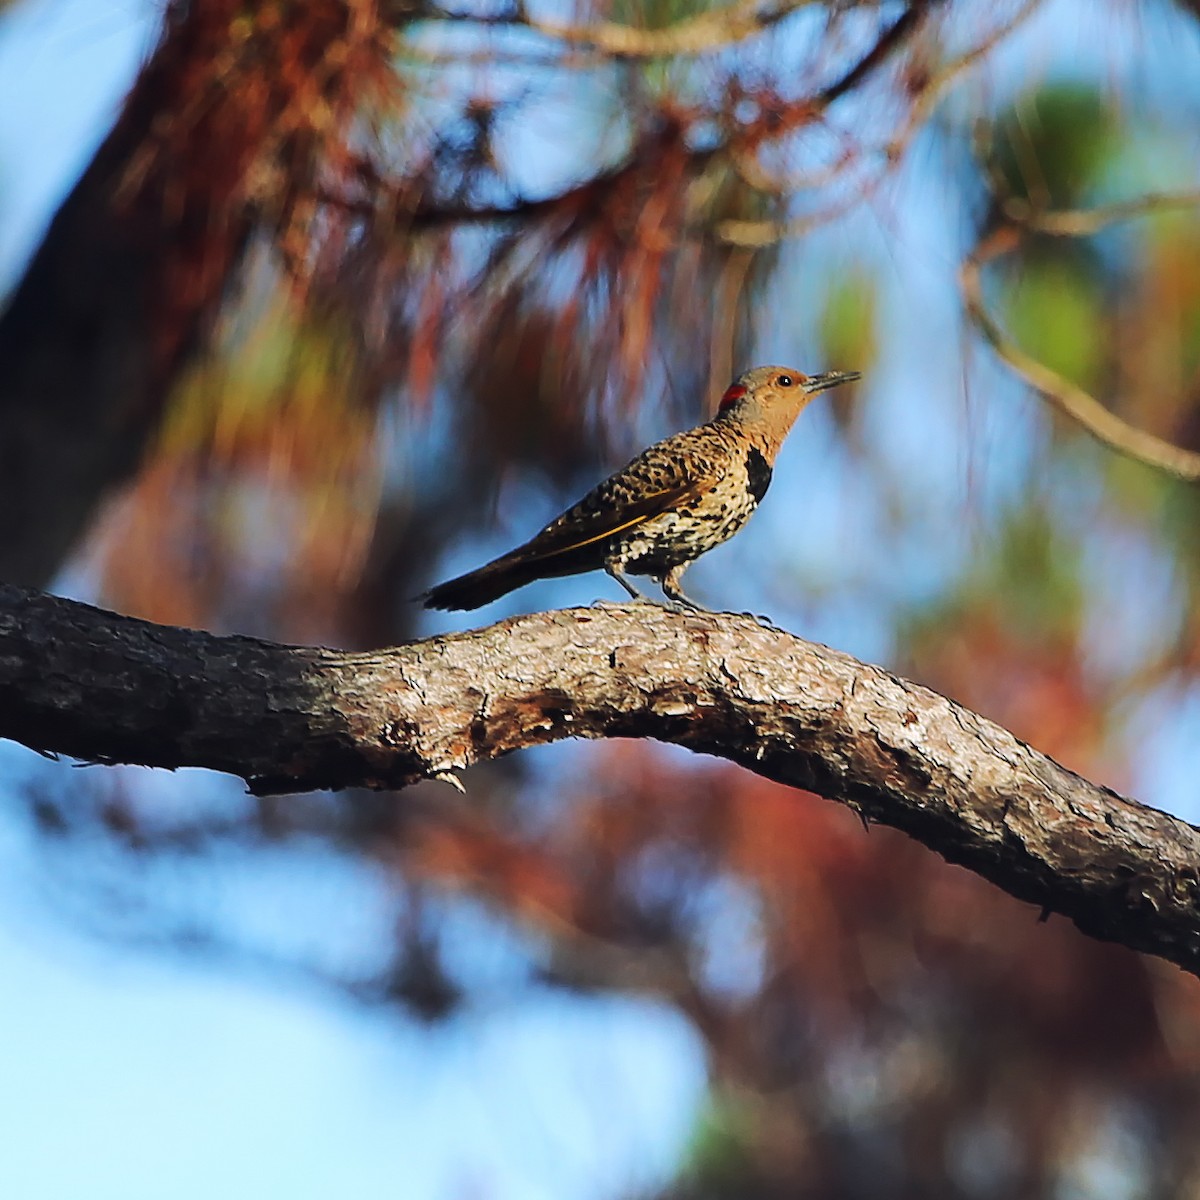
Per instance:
(749,234)
(760,233)
(1084,222)
(928,95)
(1067,397)
(700,34)
(888,42)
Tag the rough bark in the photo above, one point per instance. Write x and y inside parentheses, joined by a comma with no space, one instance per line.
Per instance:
(105,688)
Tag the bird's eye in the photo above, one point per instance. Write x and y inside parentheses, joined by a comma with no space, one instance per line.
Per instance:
(785,381)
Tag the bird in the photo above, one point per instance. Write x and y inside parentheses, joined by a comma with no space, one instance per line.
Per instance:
(674,502)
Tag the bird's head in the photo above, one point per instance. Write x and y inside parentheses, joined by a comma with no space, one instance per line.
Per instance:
(773,397)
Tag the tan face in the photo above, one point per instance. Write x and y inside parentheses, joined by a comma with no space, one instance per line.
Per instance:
(778,391)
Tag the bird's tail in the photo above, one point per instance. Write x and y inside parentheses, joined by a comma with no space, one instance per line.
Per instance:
(482,586)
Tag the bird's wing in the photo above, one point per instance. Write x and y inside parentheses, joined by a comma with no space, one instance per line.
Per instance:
(650,485)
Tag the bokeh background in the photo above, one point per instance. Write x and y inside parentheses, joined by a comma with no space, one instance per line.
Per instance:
(415,292)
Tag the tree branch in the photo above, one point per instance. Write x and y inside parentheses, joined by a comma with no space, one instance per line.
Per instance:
(1072,401)
(699,34)
(1084,222)
(105,688)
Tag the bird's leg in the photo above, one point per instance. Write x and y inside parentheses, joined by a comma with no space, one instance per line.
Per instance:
(671,582)
(616,569)
(671,586)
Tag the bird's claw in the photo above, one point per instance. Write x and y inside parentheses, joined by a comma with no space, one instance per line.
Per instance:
(762,620)
(605,602)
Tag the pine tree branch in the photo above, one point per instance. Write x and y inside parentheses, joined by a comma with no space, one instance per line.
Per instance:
(1070,400)
(701,33)
(105,688)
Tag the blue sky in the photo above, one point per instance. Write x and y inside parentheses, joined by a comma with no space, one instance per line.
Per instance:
(138,1076)
(64,67)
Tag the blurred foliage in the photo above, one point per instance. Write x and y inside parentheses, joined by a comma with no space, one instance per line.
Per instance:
(1053,148)
(475,312)
(1057,317)
(1160,330)
(1031,580)
(847,333)
(1009,639)
(258,509)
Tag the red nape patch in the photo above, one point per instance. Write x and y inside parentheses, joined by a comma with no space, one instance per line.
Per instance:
(732,396)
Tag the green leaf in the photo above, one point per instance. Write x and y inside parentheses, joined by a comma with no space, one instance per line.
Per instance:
(1055,314)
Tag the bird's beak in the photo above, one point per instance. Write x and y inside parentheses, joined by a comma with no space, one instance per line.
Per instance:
(830,379)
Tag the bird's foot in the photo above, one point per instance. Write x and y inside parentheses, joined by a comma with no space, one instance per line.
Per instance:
(678,602)
(670,605)
(684,607)
(762,620)
(605,602)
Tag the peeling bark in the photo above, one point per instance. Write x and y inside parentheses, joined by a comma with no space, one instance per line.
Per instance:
(105,688)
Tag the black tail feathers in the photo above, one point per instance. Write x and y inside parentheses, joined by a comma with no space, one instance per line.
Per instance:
(480,587)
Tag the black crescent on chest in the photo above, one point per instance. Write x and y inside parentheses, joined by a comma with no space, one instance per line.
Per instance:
(758,473)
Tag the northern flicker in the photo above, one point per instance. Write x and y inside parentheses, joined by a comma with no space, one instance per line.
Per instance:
(671,504)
